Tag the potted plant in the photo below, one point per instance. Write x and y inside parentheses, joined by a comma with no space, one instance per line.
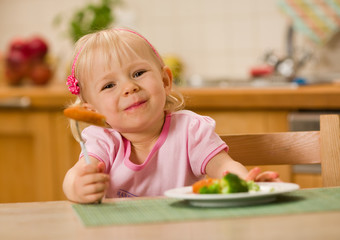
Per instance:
(90,18)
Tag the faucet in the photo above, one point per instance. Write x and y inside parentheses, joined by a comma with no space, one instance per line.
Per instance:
(289,65)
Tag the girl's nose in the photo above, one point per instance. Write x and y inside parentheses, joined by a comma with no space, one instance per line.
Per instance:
(130,87)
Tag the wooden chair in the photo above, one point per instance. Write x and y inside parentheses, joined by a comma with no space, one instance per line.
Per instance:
(291,148)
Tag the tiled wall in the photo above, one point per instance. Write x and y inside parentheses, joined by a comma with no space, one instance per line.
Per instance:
(214,38)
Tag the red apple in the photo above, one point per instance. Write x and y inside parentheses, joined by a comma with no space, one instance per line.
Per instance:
(26,59)
(19,44)
(16,67)
(16,59)
(37,47)
(40,73)
(13,77)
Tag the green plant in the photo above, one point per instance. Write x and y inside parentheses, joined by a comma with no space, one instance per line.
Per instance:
(90,18)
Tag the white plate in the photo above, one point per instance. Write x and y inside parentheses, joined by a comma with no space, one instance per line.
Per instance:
(268,193)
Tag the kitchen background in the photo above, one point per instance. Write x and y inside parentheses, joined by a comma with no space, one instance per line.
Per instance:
(289,41)
(215,39)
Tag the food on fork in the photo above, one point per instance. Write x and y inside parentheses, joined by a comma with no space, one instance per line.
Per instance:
(230,183)
(82,114)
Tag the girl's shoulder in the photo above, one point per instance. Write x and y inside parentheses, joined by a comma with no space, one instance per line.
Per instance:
(191,118)
(185,114)
(101,133)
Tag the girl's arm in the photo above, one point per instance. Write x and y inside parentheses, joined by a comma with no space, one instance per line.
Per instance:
(222,163)
(86,183)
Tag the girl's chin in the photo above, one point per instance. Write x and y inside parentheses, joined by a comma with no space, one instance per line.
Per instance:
(137,120)
(136,125)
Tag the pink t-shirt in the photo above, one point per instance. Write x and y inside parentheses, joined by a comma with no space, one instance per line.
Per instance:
(186,144)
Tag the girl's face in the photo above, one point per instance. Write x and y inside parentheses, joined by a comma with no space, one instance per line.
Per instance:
(131,93)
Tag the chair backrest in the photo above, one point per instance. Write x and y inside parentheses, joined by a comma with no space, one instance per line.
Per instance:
(291,148)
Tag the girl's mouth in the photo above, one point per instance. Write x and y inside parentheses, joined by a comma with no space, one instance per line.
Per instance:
(135,105)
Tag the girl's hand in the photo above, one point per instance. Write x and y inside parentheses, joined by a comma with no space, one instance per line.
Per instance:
(90,182)
(256,175)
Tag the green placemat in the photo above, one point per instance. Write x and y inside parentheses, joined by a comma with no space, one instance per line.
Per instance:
(165,209)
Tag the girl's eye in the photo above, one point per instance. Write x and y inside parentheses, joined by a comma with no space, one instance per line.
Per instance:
(110,85)
(139,73)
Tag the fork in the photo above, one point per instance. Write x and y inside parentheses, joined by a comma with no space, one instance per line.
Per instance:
(80,140)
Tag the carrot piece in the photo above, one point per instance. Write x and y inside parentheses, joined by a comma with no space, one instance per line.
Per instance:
(84,115)
(204,182)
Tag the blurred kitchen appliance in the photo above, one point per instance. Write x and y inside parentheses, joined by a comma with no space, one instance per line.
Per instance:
(289,65)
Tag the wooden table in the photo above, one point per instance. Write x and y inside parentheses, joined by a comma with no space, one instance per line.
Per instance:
(56,220)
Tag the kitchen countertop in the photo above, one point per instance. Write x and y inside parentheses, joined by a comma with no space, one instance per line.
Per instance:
(305,97)
(322,97)
(49,97)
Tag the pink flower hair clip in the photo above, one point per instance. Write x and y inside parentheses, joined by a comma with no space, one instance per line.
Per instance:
(73,86)
(72,82)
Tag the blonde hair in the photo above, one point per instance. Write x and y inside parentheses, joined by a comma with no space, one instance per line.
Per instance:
(111,44)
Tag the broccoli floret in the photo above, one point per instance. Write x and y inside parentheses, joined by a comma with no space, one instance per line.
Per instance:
(252,186)
(213,188)
(231,183)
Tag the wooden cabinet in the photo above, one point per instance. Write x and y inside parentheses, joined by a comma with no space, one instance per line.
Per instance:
(36,150)
(26,162)
(36,146)
(248,121)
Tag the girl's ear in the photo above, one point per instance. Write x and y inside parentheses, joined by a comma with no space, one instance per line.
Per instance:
(167,79)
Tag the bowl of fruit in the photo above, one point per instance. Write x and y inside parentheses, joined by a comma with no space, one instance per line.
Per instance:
(26,61)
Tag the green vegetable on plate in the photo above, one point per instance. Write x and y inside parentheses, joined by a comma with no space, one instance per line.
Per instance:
(230,183)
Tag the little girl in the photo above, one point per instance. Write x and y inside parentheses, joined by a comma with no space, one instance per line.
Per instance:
(151,145)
